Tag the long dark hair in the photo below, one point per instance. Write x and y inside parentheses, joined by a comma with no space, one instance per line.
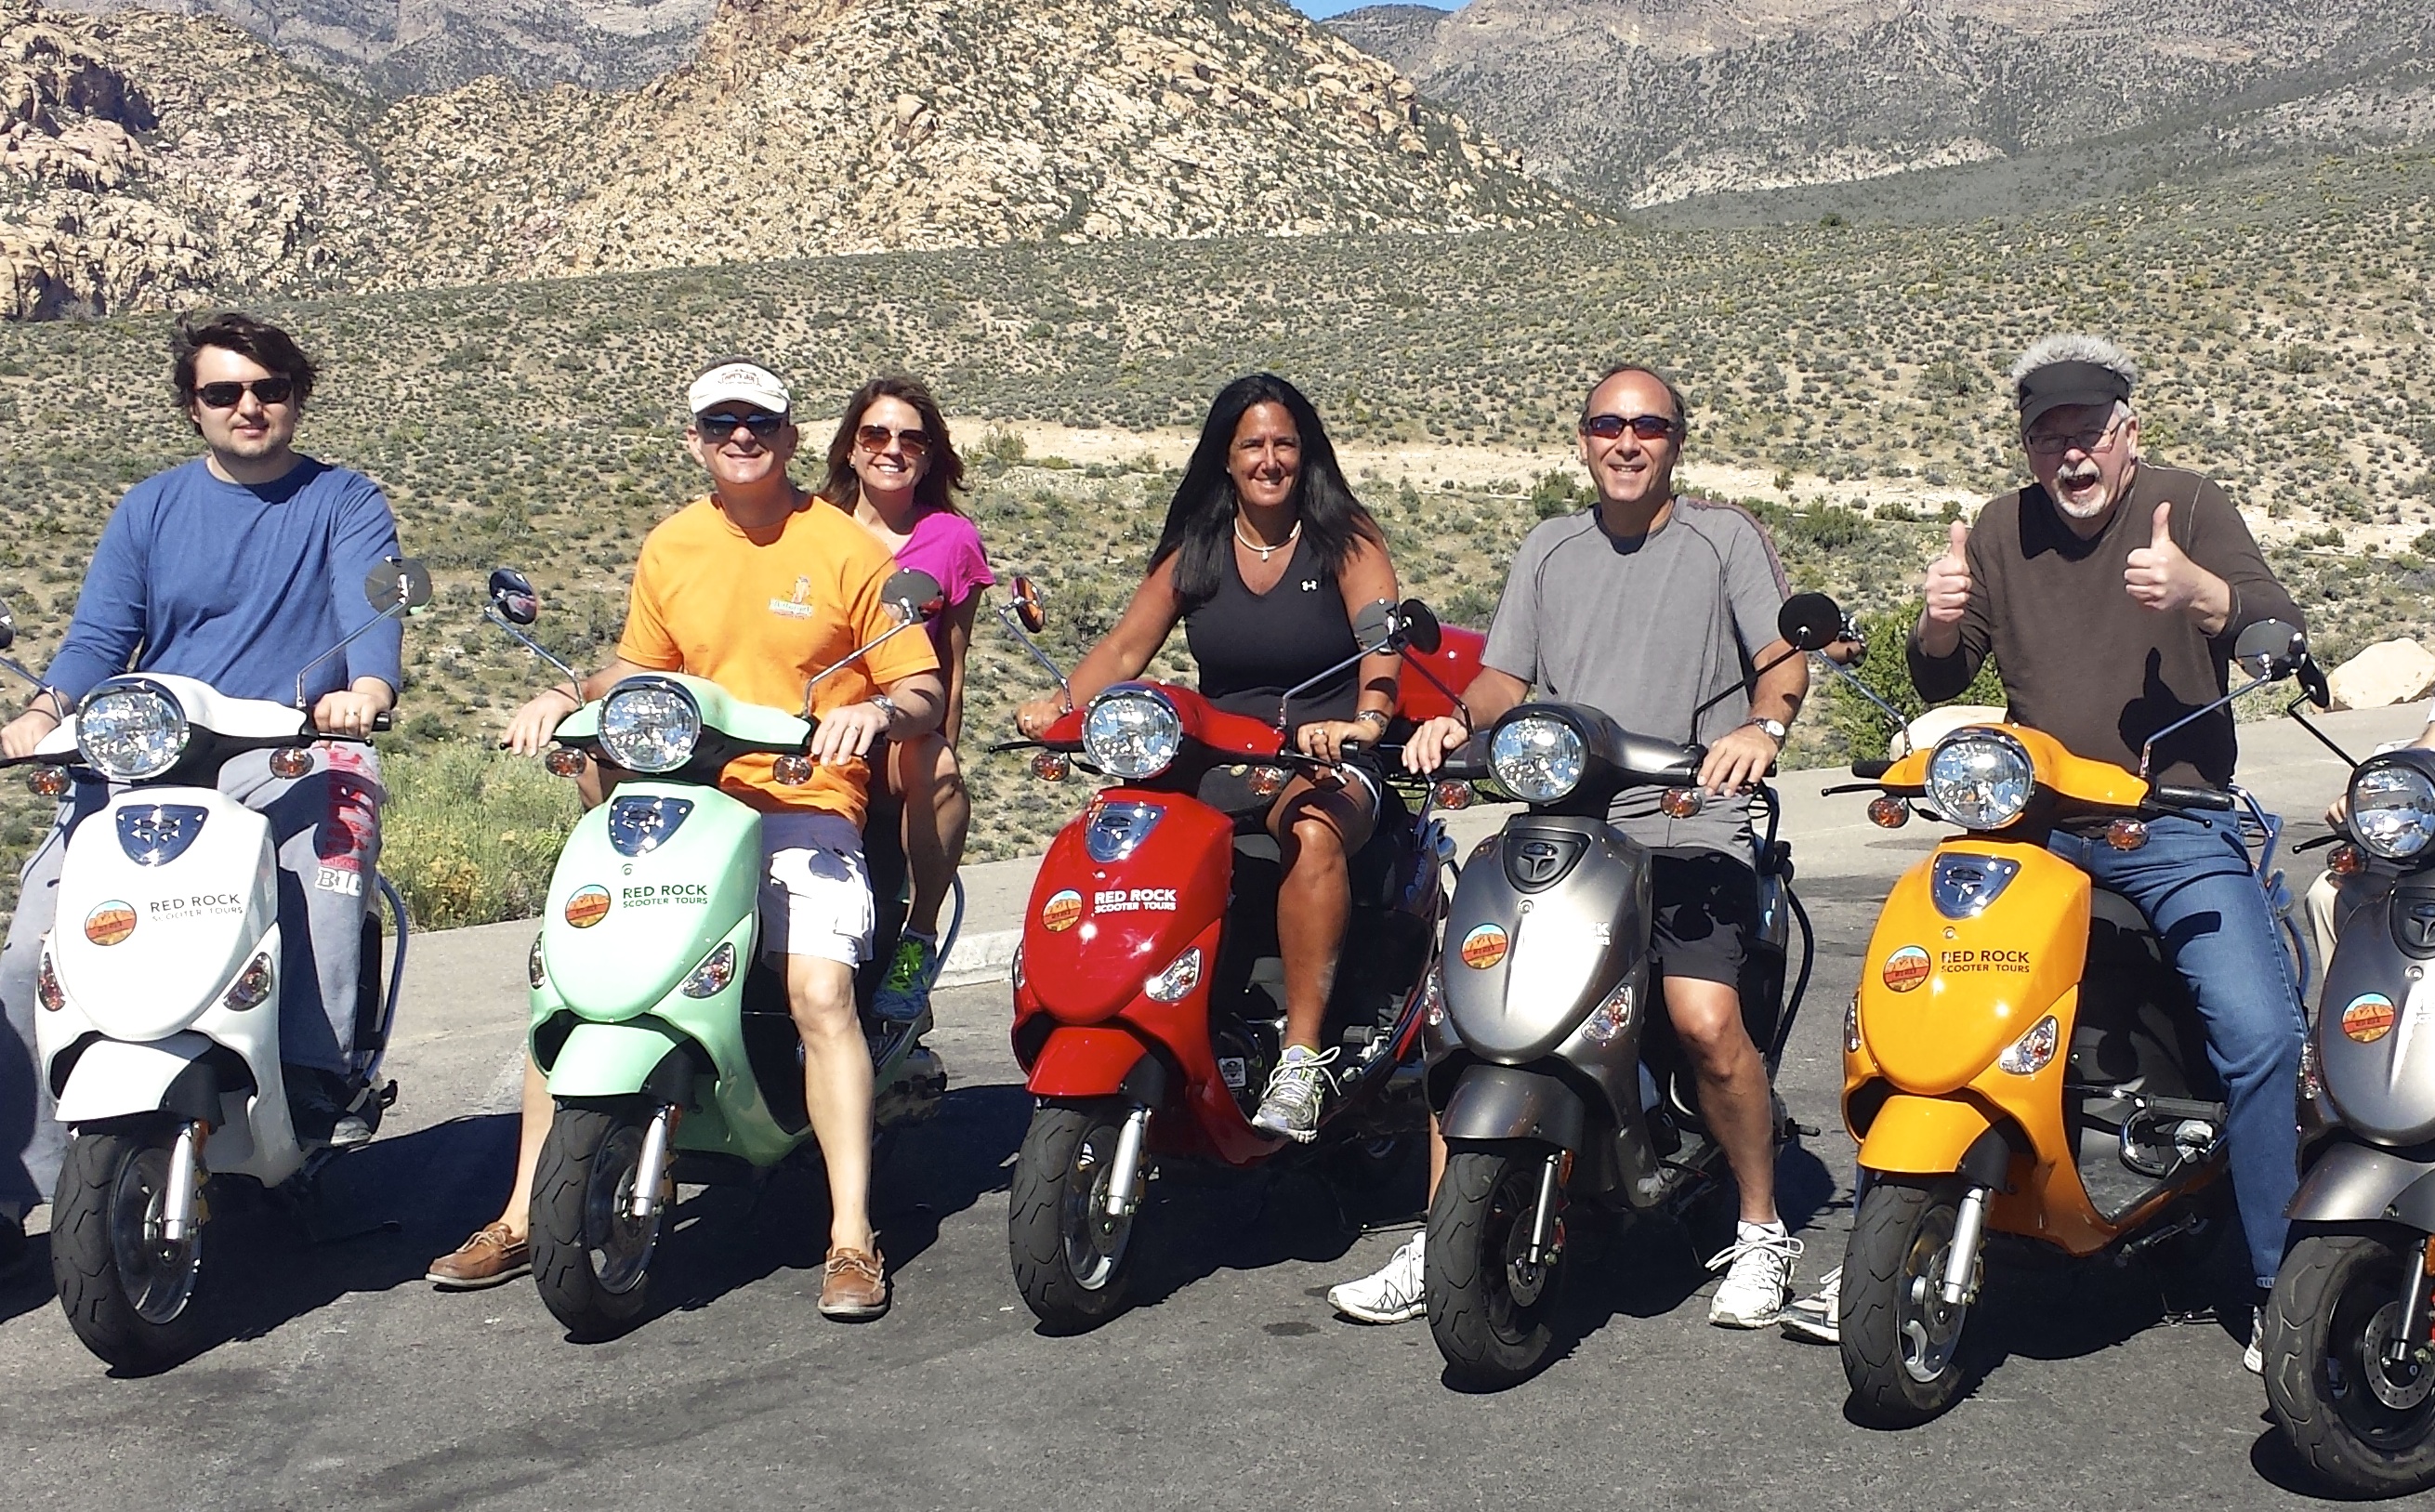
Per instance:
(1199,529)
(940,482)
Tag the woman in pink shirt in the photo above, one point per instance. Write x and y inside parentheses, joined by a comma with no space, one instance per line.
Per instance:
(892,467)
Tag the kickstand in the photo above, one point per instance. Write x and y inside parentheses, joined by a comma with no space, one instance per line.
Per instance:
(305,1204)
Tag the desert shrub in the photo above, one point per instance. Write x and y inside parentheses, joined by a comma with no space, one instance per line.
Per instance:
(470,834)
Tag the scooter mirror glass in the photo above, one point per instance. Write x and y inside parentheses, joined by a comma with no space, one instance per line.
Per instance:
(912,594)
(1809,622)
(398,580)
(1421,628)
(2270,648)
(1029,610)
(2314,683)
(7,627)
(512,596)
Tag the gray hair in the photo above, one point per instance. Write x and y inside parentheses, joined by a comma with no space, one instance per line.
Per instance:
(2076,347)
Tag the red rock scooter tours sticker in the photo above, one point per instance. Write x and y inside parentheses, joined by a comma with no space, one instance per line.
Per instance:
(2368,1018)
(1061,911)
(109,923)
(587,906)
(1905,969)
(1484,947)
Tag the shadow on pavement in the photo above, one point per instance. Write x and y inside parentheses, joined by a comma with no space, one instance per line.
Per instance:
(30,1288)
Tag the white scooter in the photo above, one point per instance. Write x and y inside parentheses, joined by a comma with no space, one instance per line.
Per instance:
(157,1025)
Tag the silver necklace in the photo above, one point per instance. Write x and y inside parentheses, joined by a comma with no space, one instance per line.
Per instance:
(1266,552)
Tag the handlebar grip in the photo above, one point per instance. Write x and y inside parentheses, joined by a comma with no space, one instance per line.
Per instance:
(383,722)
(1871,769)
(2190,797)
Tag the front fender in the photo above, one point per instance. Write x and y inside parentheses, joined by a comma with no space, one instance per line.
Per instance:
(1492,1102)
(1084,1062)
(2359,1183)
(610,1059)
(115,1078)
(1923,1136)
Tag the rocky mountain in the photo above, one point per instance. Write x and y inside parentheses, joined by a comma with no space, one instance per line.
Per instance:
(1650,101)
(149,157)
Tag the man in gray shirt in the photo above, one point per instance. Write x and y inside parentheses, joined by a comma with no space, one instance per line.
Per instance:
(1646,608)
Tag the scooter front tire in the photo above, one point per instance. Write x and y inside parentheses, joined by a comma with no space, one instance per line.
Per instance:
(1905,1352)
(1072,1263)
(2336,1298)
(591,1258)
(130,1298)
(1490,1312)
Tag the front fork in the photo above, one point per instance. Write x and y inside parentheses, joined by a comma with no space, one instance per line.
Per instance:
(185,1178)
(1124,1173)
(651,1167)
(1543,1219)
(2417,1310)
(1961,1260)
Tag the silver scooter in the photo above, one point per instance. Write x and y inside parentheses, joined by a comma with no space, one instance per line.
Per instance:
(1552,1081)
(2349,1334)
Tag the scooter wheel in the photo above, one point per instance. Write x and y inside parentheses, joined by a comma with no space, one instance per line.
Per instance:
(1490,1311)
(1071,1260)
(128,1294)
(591,1257)
(2367,1426)
(1904,1350)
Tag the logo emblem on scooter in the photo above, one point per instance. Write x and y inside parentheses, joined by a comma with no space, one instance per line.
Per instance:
(587,906)
(109,923)
(2368,1018)
(1484,947)
(1061,910)
(1907,968)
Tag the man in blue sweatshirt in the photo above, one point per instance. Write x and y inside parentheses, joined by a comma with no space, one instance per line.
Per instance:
(234,569)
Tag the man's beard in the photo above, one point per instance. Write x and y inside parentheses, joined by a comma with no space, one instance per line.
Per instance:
(2086,471)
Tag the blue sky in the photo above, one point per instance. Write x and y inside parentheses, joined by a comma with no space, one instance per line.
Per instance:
(1330,7)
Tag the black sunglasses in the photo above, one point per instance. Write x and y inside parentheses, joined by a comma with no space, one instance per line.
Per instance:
(267,390)
(1648,427)
(718,427)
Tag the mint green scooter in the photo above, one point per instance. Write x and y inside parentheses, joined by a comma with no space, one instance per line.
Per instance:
(670,1049)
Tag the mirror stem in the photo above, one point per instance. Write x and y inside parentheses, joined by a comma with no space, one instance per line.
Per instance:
(2148,749)
(396,610)
(848,659)
(574,679)
(1015,628)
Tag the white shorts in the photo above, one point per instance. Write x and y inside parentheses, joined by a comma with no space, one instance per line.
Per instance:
(815,891)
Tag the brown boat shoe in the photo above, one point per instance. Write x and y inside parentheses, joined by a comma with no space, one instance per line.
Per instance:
(494,1254)
(853,1284)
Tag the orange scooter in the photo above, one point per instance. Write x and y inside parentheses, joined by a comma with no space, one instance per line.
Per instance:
(2021,1058)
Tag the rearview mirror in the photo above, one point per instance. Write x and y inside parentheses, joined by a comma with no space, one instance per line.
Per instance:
(2271,649)
(1421,629)
(1029,610)
(512,596)
(7,627)
(913,594)
(1809,622)
(2313,683)
(395,581)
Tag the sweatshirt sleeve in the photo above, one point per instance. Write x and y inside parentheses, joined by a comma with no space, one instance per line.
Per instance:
(2218,538)
(1938,678)
(111,609)
(365,535)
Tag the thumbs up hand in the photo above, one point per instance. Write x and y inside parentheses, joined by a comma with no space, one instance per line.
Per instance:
(2158,574)
(1948,579)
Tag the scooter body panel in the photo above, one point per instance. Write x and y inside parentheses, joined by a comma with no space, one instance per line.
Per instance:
(1125,889)
(1080,1062)
(2359,1183)
(1528,959)
(630,914)
(2375,1026)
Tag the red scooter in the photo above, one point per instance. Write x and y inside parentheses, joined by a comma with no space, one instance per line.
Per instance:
(1149,995)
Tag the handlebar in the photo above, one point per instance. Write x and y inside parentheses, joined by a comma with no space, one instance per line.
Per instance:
(2168,796)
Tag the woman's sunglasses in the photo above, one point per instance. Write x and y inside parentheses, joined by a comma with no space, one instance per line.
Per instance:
(875,437)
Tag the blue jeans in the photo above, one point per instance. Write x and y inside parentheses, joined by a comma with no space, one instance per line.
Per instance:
(2192,882)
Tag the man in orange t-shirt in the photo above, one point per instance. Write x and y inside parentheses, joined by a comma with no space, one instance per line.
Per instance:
(756,588)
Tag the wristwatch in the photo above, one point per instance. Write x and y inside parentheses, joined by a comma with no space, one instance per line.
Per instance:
(1775,727)
(886,705)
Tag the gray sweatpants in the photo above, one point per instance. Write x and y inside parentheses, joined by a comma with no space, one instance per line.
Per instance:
(326,828)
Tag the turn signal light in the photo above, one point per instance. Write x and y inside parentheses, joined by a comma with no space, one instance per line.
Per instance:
(1889,812)
(1266,781)
(535,972)
(2031,1052)
(791,770)
(1176,983)
(1451,795)
(1051,766)
(566,761)
(290,761)
(46,986)
(711,977)
(2346,860)
(2126,834)
(47,782)
(2312,1076)
(251,986)
(1682,802)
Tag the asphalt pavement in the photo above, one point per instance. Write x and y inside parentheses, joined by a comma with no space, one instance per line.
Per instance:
(338,1378)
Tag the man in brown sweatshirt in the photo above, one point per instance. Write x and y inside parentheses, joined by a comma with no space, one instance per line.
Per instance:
(2110,592)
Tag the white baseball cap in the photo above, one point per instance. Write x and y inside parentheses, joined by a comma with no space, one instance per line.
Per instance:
(735,378)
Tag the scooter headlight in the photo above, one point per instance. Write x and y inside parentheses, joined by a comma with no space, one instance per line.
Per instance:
(1981,779)
(131,730)
(2393,808)
(1131,732)
(1537,758)
(649,725)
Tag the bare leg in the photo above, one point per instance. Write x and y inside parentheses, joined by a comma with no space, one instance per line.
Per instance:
(1315,830)
(1735,1101)
(837,1089)
(532,1134)
(938,816)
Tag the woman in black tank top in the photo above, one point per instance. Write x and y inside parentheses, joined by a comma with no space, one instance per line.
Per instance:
(1264,557)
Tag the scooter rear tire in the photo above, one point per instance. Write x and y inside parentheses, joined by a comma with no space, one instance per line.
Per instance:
(139,1320)
(1072,1263)
(591,1261)
(1493,1317)
(2331,1293)
(1899,1239)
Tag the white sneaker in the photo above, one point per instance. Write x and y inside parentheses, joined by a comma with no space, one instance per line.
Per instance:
(1391,1294)
(2252,1358)
(1758,1277)
(1290,1107)
(1813,1316)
